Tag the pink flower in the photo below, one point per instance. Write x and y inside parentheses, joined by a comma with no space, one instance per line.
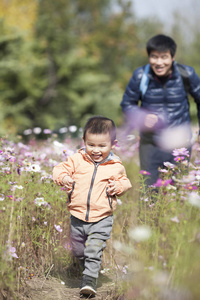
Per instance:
(161,182)
(181,151)
(11,197)
(190,187)
(12,252)
(68,246)
(179,158)
(143,172)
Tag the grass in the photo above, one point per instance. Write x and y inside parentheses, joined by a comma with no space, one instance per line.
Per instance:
(154,249)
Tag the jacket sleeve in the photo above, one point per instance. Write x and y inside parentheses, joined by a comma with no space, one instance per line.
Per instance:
(195,89)
(122,182)
(131,97)
(63,169)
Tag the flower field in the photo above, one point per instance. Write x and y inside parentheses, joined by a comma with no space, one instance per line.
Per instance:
(155,245)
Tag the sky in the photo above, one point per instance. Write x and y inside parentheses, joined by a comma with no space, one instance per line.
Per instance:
(164,9)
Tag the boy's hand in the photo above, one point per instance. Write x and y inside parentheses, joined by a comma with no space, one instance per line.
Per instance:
(112,187)
(68,183)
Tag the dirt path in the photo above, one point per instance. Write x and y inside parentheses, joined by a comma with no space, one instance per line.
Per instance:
(55,289)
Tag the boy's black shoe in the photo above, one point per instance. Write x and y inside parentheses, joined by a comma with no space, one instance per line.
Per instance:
(88,286)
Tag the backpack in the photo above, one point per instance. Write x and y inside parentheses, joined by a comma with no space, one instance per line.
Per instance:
(145,79)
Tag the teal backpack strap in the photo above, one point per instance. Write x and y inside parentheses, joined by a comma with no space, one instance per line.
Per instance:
(144,80)
(185,77)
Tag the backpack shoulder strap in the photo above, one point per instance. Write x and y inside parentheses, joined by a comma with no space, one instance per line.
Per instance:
(144,80)
(185,77)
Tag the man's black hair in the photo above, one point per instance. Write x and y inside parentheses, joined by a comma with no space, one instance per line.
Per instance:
(161,43)
(99,125)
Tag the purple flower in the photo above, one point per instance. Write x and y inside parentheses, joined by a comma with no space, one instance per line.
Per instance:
(47,131)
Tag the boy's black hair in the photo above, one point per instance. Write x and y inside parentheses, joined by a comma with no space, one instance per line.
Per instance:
(161,43)
(99,125)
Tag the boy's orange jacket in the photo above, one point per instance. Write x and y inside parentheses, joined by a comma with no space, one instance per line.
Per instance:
(89,200)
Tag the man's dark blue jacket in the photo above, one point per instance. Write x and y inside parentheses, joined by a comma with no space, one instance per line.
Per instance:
(166,98)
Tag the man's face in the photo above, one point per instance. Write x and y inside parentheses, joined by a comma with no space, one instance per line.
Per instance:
(161,62)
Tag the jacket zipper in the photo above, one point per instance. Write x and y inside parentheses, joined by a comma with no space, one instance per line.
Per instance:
(70,194)
(110,199)
(90,191)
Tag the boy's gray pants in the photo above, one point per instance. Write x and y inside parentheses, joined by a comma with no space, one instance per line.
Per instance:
(88,240)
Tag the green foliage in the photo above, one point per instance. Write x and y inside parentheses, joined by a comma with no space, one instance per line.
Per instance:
(75,63)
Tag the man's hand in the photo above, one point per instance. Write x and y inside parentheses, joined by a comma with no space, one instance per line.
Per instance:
(150,120)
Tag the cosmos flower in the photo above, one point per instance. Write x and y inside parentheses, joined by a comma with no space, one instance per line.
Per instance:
(19,187)
(140,233)
(40,201)
(58,228)
(169,165)
(179,158)
(194,199)
(2,197)
(12,252)
(11,197)
(175,219)
(180,151)
(161,182)
(190,187)
(143,172)
(47,131)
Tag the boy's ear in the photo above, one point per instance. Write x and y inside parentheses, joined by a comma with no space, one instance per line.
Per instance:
(114,144)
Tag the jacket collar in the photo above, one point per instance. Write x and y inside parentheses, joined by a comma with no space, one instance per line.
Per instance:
(110,158)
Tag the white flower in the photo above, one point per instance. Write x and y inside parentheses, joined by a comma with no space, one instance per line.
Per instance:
(37,130)
(140,233)
(40,201)
(2,197)
(119,202)
(175,219)
(130,137)
(27,131)
(35,168)
(72,128)
(63,130)
(168,165)
(57,144)
(194,199)
(19,187)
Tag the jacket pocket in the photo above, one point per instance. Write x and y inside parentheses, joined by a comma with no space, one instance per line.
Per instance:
(110,199)
(70,194)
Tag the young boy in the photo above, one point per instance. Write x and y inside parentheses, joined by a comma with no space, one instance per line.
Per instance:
(94,177)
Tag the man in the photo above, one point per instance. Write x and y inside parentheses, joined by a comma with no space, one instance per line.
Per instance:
(164,105)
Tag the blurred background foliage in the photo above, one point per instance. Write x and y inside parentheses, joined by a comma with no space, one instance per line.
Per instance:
(65,60)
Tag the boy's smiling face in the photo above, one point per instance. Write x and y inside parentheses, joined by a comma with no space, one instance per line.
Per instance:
(98,146)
